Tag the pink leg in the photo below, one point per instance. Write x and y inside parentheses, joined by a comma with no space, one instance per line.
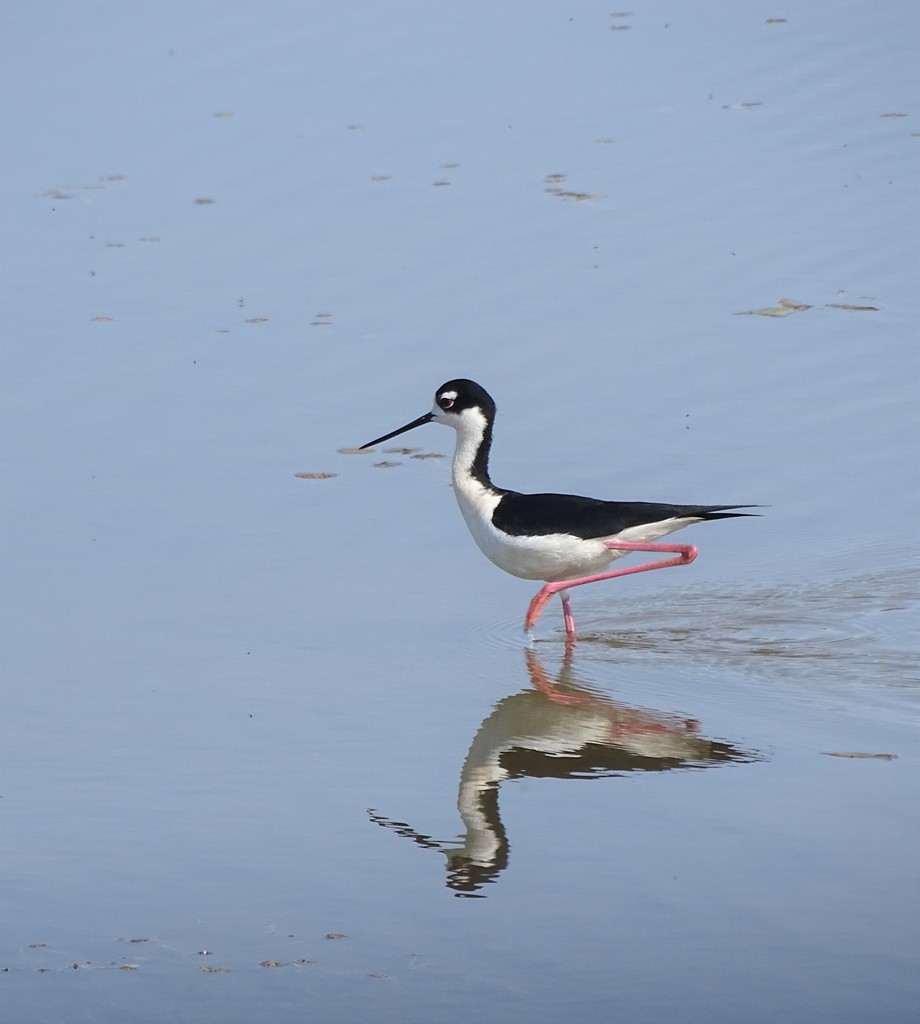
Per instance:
(685,552)
(567,613)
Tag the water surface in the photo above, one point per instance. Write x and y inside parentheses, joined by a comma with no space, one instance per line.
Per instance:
(274,746)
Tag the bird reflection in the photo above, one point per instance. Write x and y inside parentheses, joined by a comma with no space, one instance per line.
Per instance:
(559,730)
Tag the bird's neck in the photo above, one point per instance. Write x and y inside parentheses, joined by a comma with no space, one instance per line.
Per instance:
(471,456)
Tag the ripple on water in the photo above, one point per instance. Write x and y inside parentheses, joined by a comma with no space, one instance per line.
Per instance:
(849,631)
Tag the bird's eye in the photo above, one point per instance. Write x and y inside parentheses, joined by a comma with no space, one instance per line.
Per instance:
(446,401)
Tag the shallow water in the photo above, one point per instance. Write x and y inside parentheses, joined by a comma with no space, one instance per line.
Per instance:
(245,710)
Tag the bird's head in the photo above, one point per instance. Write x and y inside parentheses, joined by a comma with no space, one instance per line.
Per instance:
(461,404)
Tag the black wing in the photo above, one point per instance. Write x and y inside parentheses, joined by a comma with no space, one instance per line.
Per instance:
(538,515)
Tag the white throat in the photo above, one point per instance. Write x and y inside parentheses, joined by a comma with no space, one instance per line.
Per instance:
(470,429)
(476,500)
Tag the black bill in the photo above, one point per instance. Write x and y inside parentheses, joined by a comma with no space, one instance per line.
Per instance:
(427,418)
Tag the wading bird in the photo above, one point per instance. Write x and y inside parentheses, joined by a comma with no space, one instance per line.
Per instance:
(563,539)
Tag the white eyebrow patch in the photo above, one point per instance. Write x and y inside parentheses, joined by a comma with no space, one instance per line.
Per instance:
(452,395)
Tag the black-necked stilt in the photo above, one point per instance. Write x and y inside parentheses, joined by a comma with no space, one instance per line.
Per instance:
(563,539)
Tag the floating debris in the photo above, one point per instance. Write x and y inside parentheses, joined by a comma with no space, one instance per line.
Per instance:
(776,21)
(272,963)
(223,113)
(860,755)
(385,465)
(399,451)
(380,177)
(315,476)
(203,201)
(784,308)
(428,455)
(554,179)
(578,197)
(214,970)
(100,183)
(334,935)
(354,451)
(101,319)
(440,183)
(848,305)
(893,115)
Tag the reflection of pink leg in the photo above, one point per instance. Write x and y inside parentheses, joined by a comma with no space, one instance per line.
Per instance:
(541,682)
(685,552)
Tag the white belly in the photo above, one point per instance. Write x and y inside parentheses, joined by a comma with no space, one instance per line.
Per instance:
(549,558)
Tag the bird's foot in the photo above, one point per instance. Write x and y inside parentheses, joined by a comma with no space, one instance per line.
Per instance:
(536,607)
(535,610)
